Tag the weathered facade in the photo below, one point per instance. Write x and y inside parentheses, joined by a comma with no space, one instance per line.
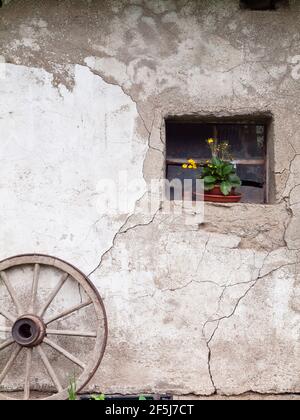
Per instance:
(192,308)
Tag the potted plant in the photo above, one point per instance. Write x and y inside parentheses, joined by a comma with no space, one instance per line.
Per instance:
(219,175)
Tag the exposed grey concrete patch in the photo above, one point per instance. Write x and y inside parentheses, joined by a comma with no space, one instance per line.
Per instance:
(263,355)
(218,321)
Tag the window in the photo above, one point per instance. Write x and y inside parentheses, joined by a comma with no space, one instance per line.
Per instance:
(263,4)
(187,139)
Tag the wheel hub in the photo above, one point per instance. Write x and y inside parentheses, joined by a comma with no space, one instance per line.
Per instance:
(29,331)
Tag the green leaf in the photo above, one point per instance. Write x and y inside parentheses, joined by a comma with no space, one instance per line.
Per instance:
(219,171)
(209,179)
(226,187)
(100,397)
(72,392)
(142,398)
(216,161)
(228,169)
(209,187)
(235,180)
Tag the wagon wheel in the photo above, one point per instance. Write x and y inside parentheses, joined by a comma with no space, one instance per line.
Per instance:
(29,329)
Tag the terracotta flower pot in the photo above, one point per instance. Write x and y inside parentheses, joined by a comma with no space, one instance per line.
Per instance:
(216,196)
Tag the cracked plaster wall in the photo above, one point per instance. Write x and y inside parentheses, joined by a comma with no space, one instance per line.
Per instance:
(194,309)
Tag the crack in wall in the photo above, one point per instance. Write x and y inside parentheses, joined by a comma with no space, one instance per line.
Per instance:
(120,233)
(226,317)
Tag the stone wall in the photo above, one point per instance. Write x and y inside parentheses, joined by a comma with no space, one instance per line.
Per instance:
(192,309)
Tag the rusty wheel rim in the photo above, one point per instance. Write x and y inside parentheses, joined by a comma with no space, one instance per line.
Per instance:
(30,330)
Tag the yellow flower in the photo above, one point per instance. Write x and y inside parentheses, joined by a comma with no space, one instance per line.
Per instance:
(210,141)
(191,164)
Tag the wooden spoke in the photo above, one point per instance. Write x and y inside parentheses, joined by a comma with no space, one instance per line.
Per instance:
(11,291)
(69,312)
(8,316)
(5,329)
(9,364)
(54,294)
(35,284)
(65,353)
(27,374)
(71,333)
(6,344)
(50,369)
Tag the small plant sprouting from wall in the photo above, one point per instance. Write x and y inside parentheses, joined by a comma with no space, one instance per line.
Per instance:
(72,390)
(100,397)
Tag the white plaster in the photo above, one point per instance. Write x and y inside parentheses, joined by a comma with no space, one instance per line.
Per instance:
(56,146)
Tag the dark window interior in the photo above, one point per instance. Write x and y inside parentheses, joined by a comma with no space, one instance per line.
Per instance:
(263,4)
(187,139)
